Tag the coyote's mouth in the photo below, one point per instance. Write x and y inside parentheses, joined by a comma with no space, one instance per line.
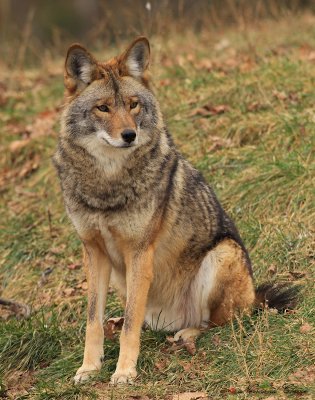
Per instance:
(120,145)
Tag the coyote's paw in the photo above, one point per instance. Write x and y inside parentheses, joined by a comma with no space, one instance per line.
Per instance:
(124,376)
(185,334)
(85,372)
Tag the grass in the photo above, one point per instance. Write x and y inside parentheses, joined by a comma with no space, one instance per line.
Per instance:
(259,157)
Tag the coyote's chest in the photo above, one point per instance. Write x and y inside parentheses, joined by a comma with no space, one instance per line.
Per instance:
(117,230)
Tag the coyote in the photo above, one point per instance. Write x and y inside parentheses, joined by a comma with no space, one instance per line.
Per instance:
(148,221)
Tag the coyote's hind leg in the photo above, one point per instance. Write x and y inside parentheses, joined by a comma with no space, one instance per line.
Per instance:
(233,290)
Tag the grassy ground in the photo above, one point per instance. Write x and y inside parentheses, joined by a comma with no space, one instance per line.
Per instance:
(241,108)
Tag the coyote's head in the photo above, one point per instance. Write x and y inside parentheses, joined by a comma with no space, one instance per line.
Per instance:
(110,105)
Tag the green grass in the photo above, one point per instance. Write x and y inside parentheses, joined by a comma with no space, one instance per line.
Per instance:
(263,172)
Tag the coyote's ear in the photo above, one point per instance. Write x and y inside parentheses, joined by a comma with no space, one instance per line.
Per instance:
(80,68)
(135,60)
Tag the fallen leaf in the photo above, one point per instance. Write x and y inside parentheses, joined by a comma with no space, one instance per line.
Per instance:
(57,250)
(43,124)
(256,106)
(209,110)
(74,266)
(188,344)
(272,269)
(3,94)
(311,56)
(117,322)
(21,171)
(279,95)
(304,375)
(247,65)
(28,167)
(82,285)
(204,64)
(165,82)
(19,384)
(17,145)
(161,365)
(15,128)
(298,274)
(200,111)
(219,143)
(306,328)
(223,44)
(112,326)
(43,280)
(216,340)
(166,61)
(68,291)
(10,174)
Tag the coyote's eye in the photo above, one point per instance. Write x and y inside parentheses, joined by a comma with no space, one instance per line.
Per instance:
(133,104)
(103,108)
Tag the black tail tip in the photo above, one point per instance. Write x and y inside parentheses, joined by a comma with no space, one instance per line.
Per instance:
(281,296)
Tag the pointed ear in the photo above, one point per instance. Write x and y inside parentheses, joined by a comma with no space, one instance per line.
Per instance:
(135,60)
(80,68)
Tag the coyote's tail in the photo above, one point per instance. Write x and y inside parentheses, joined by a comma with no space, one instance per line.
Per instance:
(281,296)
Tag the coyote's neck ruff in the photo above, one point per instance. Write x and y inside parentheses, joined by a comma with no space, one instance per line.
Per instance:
(148,220)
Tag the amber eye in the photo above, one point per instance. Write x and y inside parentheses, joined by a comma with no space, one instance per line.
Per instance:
(133,104)
(103,108)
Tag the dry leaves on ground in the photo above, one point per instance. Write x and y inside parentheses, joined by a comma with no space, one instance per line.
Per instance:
(19,383)
(188,344)
(82,285)
(41,126)
(272,269)
(69,291)
(218,143)
(303,376)
(112,326)
(74,266)
(3,94)
(306,328)
(209,110)
(27,168)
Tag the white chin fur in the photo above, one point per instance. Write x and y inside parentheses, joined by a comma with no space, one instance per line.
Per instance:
(106,150)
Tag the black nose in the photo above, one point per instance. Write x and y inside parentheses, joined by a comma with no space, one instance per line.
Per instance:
(128,135)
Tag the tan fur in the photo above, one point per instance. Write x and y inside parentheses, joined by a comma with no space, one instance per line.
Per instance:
(234,289)
(98,270)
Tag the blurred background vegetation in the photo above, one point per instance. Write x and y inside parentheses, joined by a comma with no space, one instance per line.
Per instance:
(33,29)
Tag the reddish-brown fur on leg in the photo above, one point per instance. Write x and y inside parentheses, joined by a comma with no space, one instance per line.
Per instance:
(234,289)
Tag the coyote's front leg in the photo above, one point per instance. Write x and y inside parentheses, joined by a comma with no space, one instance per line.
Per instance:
(98,270)
(139,276)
